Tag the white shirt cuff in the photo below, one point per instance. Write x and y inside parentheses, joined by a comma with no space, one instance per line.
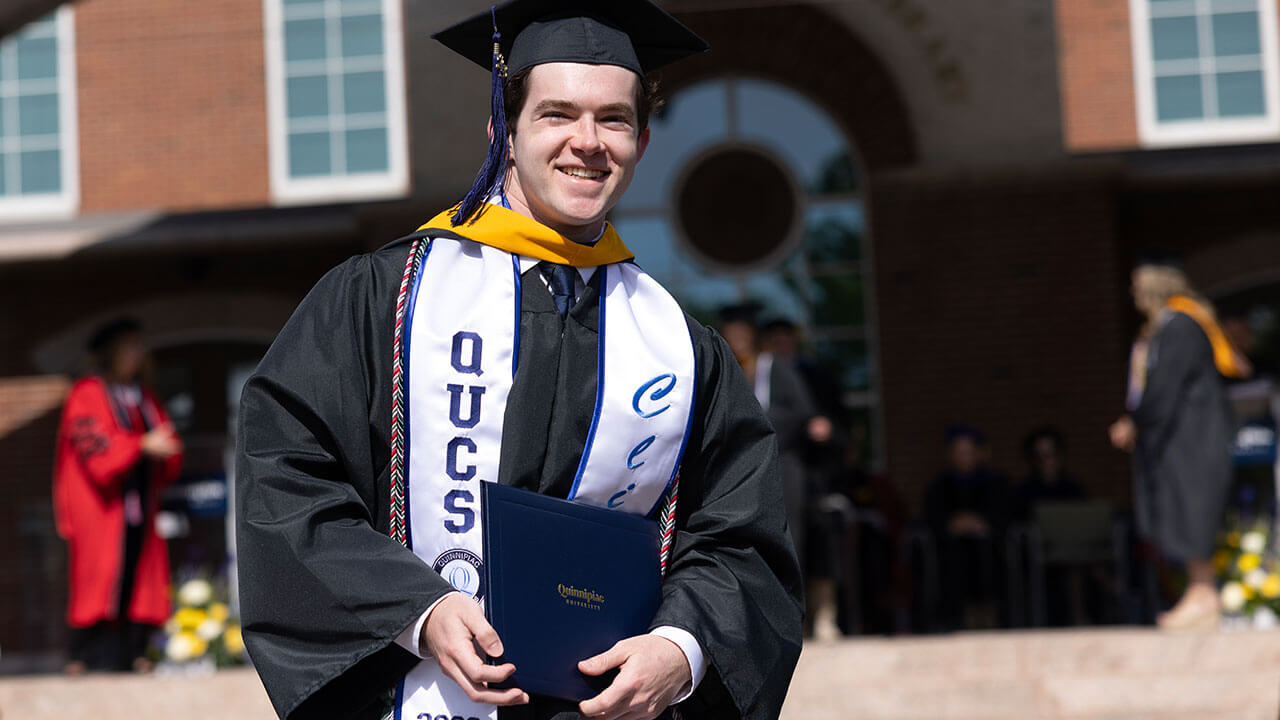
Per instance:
(411,638)
(692,652)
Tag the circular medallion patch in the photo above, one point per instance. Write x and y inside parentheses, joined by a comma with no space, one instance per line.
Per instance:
(463,570)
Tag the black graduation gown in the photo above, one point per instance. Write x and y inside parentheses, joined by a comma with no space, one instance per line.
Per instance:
(790,409)
(1182,462)
(324,591)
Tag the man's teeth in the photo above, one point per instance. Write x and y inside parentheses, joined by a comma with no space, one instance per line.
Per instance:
(583,173)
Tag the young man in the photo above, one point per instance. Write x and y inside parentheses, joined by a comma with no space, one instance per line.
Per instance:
(476,350)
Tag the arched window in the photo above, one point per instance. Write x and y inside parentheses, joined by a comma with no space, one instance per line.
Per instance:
(750,191)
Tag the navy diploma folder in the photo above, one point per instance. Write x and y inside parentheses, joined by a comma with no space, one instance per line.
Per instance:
(564,581)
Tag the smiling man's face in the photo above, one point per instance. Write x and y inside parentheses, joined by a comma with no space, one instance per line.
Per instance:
(575,146)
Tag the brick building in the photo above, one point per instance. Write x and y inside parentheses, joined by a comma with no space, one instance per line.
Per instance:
(948,196)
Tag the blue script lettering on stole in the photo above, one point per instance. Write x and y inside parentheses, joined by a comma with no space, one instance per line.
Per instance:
(661,386)
(658,394)
(429,716)
(466,356)
(635,452)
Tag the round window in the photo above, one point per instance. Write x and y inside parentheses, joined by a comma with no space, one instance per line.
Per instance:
(737,208)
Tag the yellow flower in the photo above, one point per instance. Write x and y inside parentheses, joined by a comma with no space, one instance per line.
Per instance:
(218,611)
(1233,539)
(190,618)
(1249,592)
(1221,561)
(1271,586)
(1248,561)
(233,641)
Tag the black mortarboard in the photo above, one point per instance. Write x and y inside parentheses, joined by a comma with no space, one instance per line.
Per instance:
(508,38)
(109,332)
(744,312)
(634,34)
(1159,257)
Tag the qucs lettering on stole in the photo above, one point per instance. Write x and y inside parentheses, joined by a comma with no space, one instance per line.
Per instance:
(467,353)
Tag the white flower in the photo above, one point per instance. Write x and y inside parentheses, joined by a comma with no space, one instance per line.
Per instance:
(1253,542)
(211,628)
(195,593)
(180,648)
(1264,618)
(1255,577)
(1232,597)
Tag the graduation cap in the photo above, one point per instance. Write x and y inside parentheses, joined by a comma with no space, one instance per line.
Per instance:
(1159,257)
(744,312)
(109,332)
(514,36)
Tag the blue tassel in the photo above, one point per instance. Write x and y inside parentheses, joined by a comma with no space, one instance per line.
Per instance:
(493,173)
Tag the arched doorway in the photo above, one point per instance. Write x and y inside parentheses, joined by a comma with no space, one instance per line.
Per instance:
(749,191)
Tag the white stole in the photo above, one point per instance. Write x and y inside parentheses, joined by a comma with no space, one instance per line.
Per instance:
(462,340)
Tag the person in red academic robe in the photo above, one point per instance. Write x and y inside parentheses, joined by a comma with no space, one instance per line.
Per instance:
(116,452)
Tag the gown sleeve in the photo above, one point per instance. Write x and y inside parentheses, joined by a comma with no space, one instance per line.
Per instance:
(104,450)
(733,579)
(170,468)
(324,592)
(1182,349)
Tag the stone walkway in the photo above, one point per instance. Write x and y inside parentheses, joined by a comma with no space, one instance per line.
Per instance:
(1119,674)
(1113,674)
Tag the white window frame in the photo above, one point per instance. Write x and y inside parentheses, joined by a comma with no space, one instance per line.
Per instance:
(1204,131)
(65,202)
(393,182)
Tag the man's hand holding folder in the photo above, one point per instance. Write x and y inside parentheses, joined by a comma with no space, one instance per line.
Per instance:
(452,633)
(652,669)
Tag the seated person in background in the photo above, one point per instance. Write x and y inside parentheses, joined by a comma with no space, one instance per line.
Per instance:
(1047,479)
(870,571)
(966,509)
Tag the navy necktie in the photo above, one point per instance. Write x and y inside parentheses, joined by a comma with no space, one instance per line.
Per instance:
(560,280)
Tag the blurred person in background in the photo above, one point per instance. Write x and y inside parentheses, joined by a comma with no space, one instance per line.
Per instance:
(966,509)
(821,457)
(1047,481)
(871,576)
(116,452)
(782,393)
(1178,429)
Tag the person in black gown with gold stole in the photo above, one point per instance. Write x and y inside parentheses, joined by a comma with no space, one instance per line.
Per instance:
(1179,429)
(335,609)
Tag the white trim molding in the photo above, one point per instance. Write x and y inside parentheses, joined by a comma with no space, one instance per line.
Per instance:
(1209,129)
(66,201)
(334,187)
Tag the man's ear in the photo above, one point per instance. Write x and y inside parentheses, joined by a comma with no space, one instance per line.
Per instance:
(643,143)
(510,141)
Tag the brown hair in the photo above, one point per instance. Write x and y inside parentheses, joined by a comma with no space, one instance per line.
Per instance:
(516,92)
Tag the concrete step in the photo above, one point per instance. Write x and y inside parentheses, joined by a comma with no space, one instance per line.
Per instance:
(1129,674)
(1118,674)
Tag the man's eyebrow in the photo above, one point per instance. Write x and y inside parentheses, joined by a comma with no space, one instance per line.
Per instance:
(618,109)
(565,105)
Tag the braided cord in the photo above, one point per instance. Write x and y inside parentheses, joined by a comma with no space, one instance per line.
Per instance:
(667,524)
(398,395)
